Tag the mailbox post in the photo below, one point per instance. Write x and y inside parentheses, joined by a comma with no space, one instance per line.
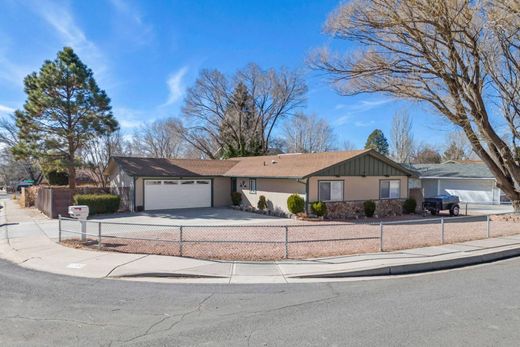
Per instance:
(80,212)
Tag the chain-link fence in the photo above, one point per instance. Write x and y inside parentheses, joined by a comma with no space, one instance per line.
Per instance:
(271,242)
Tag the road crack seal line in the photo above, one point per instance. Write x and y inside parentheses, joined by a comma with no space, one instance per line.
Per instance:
(149,332)
(63,320)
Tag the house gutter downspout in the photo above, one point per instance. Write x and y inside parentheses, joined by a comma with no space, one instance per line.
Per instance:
(133,197)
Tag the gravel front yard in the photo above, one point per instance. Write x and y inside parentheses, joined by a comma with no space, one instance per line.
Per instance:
(308,240)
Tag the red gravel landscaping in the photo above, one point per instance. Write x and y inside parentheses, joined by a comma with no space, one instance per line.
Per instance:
(305,240)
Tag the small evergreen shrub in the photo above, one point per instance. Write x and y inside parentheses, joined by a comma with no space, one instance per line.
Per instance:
(262,203)
(370,208)
(236,198)
(98,203)
(57,178)
(295,203)
(319,208)
(409,205)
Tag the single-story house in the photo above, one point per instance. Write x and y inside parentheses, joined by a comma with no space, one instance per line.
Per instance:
(471,181)
(157,183)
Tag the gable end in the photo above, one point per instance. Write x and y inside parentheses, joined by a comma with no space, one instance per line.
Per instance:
(364,165)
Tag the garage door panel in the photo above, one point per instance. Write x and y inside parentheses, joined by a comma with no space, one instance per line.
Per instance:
(478,191)
(171,194)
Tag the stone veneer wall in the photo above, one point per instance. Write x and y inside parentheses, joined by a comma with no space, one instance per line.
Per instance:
(355,209)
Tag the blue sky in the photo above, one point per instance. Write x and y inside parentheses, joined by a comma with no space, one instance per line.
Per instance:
(145,54)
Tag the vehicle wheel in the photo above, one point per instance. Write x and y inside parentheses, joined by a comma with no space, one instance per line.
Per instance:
(433,212)
(455,210)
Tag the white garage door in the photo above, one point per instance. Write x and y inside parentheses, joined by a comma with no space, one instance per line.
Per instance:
(169,194)
(469,190)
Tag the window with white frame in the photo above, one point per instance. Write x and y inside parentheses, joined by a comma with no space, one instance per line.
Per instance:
(390,189)
(252,185)
(330,190)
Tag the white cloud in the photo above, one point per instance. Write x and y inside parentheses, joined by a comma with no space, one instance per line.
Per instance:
(6,109)
(363,105)
(11,72)
(129,118)
(134,26)
(60,18)
(364,124)
(176,86)
(342,120)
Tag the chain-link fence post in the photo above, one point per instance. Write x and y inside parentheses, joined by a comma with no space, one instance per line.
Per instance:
(488,226)
(442,230)
(99,236)
(286,242)
(381,236)
(180,240)
(59,228)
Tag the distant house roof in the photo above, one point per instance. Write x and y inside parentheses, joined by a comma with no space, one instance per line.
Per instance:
(294,165)
(453,170)
(161,167)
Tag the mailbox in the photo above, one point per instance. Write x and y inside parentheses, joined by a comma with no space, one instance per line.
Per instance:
(79,212)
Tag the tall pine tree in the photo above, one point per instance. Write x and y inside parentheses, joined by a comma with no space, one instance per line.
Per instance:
(377,140)
(241,129)
(64,109)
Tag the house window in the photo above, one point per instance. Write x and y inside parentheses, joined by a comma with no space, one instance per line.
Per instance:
(252,185)
(330,190)
(390,189)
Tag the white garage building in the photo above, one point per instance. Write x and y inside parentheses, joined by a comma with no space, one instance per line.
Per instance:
(471,182)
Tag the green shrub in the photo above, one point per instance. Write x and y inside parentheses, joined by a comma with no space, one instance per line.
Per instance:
(262,203)
(98,203)
(409,205)
(370,208)
(236,198)
(319,208)
(295,203)
(57,178)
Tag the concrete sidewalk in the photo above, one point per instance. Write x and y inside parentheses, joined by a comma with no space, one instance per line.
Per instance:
(30,242)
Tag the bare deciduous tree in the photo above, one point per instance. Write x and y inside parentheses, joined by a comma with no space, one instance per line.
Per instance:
(348,145)
(275,94)
(401,137)
(308,133)
(458,147)
(11,169)
(159,139)
(97,152)
(459,57)
(426,154)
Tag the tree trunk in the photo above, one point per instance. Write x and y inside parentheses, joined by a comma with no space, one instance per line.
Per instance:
(516,205)
(72,176)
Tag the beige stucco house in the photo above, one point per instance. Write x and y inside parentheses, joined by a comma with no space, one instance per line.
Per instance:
(333,177)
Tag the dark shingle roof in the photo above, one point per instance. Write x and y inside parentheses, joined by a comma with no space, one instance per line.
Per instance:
(161,167)
(293,165)
(453,170)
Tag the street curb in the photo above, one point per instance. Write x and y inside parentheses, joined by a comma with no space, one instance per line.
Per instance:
(166,275)
(415,268)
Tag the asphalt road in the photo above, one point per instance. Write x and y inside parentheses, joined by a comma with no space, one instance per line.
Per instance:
(477,306)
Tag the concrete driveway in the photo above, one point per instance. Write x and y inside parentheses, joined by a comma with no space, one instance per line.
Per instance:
(482,209)
(196,216)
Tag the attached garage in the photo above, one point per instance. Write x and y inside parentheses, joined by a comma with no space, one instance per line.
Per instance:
(163,184)
(172,194)
(471,182)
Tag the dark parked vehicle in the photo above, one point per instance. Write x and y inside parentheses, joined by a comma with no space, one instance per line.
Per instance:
(442,202)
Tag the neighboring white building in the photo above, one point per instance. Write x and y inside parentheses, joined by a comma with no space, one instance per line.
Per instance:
(472,182)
